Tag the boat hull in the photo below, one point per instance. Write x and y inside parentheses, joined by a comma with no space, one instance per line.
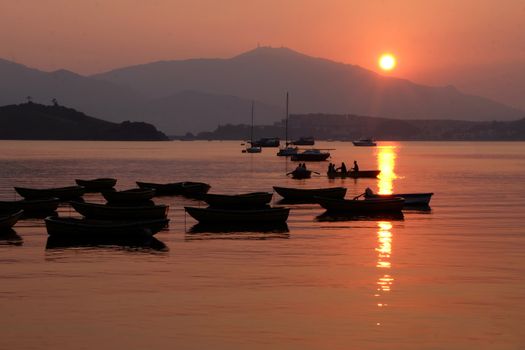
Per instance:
(354,174)
(255,199)
(62,193)
(83,228)
(309,194)
(301,174)
(410,198)
(31,206)
(391,205)
(97,185)
(106,212)
(9,220)
(174,188)
(129,196)
(225,216)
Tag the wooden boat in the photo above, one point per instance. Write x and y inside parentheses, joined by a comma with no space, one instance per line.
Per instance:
(229,216)
(72,227)
(8,220)
(107,212)
(194,189)
(250,200)
(31,206)
(173,188)
(331,216)
(365,143)
(362,206)
(308,194)
(141,242)
(304,141)
(311,155)
(279,227)
(135,195)
(301,173)
(10,237)
(62,193)
(422,199)
(288,151)
(97,185)
(354,174)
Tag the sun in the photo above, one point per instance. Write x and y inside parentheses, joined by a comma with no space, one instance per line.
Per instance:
(387,62)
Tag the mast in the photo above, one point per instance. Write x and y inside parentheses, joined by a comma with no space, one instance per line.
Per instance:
(251,132)
(286,125)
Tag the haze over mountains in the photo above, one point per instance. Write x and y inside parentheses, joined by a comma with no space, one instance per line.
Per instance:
(198,94)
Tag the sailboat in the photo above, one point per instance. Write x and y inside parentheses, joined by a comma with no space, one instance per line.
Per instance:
(287,151)
(252,148)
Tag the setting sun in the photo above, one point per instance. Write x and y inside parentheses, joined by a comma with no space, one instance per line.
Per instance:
(387,61)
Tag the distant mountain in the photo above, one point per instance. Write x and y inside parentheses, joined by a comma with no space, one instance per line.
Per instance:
(315,84)
(32,121)
(352,127)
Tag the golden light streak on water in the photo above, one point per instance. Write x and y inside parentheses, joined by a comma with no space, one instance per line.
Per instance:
(384,252)
(386,160)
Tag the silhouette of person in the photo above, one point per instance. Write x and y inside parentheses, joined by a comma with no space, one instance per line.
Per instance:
(356,167)
(343,168)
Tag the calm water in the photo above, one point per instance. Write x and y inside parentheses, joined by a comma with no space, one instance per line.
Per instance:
(451,278)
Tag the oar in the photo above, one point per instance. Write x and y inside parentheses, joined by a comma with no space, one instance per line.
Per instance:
(315,172)
(356,198)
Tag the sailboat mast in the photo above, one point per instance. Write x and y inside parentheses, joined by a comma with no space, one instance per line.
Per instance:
(286,126)
(251,132)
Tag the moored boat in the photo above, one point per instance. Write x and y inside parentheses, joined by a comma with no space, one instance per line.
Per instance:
(304,141)
(308,194)
(62,193)
(288,151)
(108,212)
(73,227)
(229,216)
(410,198)
(8,220)
(97,185)
(311,155)
(31,206)
(362,206)
(195,189)
(353,174)
(365,143)
(266,142)
(135,195)
(173,188)
(250,200)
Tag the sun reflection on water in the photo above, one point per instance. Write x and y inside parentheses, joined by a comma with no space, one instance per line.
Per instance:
(384,252)
(386,160)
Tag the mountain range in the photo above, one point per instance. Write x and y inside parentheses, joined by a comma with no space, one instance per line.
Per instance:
(200,94)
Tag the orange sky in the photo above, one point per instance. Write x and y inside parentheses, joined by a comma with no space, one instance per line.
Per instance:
(474,44)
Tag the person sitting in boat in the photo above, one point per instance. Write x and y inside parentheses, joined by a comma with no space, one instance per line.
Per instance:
(331,168)
(369,192)
(342,168)
(356,167)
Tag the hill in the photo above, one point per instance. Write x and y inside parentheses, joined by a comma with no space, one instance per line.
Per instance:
(32,121)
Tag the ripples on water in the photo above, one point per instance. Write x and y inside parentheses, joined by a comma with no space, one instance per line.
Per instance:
(448,278)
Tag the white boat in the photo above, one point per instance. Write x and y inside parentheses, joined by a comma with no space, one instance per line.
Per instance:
(365,142)
(287,151)
(252,148)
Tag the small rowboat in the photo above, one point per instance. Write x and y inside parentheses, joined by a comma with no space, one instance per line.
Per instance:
(135,195)
(97,185)
(62,193)
(163,189)
(410,198)
(31,206)
(311,155)
(301,173)
(362,206)
(354,174)
(73,228)
(195,189)
(228,216)
(141,242)
(308,194)
(245,200)
(9,220)
(107,212)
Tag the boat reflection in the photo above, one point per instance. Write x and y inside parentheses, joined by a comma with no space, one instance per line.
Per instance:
(241,232)
(10,237)
(132,244)
(384,252)
(386,161)
(328,216)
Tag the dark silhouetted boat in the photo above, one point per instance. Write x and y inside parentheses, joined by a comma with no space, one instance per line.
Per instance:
(308,194)
(137,242)
(101,229)
(411,199)
(168,189)
(195,189)
(301,173)
(8,220)
(10,237)
(229,216)
(331,216)
(62,193)
(365,143)
(279,227)
(362,206)
(311,155)
(97,185)
(354,174)
(108,212)
(245,200)
(135,195)
(304,141)
(267,142)
(31,206)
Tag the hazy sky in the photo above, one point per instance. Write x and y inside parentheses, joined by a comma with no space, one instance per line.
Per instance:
(477,45)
